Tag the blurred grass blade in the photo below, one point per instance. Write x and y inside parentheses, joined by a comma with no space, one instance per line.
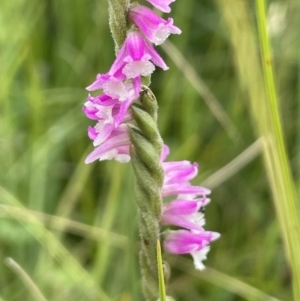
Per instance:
(230,169)
(75,186)
(198,84)
(228,283)
(259,83)
(63,224)
(106,222)
(33,289)
(284,182)
(58,252)
(162,288)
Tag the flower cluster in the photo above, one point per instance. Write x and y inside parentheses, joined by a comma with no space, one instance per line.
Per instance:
(184,212)
(121,85)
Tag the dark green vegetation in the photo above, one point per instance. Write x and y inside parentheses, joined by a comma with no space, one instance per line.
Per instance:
(72,227)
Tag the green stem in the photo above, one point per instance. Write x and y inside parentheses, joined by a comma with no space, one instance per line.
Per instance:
(145,156)
(162,288)
(117,10)
(278,158)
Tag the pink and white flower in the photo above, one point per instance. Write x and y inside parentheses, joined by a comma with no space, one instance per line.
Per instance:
(155,28)
(136,58)
(109,135)
(113,85)
(107,109)
(115,146)
(163,5)
(193,242)
(184,213)
(177,177)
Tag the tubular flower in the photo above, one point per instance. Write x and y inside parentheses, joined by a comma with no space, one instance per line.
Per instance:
(121,86)
(107,109)
(152,25)
(136,58)
(109,135)
(177,177)
(196,243)
(115,146)
(163,5)
(184,213)
(113,85)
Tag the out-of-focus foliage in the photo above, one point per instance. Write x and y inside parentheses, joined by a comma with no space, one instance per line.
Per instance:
(72,227)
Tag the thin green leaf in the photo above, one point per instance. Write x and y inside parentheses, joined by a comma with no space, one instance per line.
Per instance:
(162,288)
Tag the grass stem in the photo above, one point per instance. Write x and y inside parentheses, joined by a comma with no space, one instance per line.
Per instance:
(287,203)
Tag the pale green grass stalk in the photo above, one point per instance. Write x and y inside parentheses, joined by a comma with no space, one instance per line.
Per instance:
(58,252)
(32,288)
(265,112)
(233,167)
(199,85)
(106,222)
(298,101)
(227,282)
(287,203)
(75,186)
(64,225)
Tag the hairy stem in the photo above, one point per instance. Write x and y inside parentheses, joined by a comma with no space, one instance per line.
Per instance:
(145,155)
(118,10)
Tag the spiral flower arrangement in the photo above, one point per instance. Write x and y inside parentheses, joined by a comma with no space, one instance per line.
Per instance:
(126,130)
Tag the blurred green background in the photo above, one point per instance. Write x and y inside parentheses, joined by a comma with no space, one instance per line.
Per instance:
(71,228)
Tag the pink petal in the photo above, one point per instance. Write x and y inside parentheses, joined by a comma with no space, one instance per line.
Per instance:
(181,175)
(177,220)
(182,207)
(165,152)
(175,189)
(103,134)
(119,61)
(156,58)
(137,83)
(184,241)
(162,5)
(155,28)
(90,113)
(136,46)
(98,83)
(109,145)
(92,133)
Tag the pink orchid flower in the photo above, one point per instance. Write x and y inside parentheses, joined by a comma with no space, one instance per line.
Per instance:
(193,242)
(155,28)
(136,58)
